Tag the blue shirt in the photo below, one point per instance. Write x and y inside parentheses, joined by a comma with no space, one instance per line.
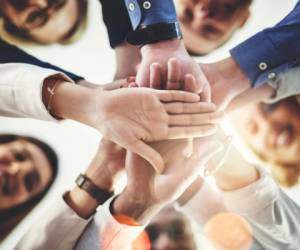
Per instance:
(124,16)
(271,51)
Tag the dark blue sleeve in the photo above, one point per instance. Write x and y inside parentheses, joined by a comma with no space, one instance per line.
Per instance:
(124,16)
(271,51)
(116,20)
(12,54)
(147,12)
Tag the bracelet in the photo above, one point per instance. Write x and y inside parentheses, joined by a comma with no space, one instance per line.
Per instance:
(51,92)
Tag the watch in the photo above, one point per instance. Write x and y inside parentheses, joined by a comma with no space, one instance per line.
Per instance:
(99,194)
(154,33)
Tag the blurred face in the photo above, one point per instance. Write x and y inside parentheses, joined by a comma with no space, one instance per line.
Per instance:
(170,231)
(272,131)
(207,24)
(24,173)
(45,21)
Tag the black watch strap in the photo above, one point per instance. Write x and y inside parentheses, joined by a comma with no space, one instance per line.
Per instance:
(99,194)
(154,33)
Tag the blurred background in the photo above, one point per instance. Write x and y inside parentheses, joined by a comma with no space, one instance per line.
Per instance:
(92,58)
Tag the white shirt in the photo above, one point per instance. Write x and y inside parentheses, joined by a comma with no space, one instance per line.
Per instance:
(21,90)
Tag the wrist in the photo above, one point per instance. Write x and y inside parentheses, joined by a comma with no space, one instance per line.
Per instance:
(140,209)
(168,45)
(81,202)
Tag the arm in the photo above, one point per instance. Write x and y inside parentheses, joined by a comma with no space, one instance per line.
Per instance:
(278,50)
(155,191)
(68,216)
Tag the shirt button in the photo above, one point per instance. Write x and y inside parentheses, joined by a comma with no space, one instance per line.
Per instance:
(263,66)
(272,76)
(131,6)
(147,5)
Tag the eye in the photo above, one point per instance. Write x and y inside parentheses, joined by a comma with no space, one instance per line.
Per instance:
(189,14)
(153,232)
(19,156)
(37,18)
(210,31)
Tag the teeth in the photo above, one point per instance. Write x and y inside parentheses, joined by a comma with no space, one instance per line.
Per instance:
(282,138)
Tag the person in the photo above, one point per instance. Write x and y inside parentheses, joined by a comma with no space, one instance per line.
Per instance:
(271,131)
(171,229)
(249,192)
(206,25)
(28,168)
(40,21)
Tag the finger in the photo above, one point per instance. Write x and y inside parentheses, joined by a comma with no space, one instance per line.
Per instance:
(195,119)
(190,84)
(155,76)
(189,108)
(174,73)
(149,154)
(205,95)
(174,95)
(192,132)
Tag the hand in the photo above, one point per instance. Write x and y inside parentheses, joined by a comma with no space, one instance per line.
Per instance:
(160,53)
(107,163)
(227,81)
(155,191)
(131,117)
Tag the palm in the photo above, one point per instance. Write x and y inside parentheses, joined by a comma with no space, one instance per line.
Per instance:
(179,174)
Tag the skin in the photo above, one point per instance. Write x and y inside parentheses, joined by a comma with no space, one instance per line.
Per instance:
(164,220)
(20,160)
(60,21)
(204,31)
(275,135)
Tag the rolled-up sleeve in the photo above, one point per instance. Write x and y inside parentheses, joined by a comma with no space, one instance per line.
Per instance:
(21,90)
(271,51)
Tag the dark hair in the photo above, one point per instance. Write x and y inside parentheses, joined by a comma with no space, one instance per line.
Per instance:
(11,217)
(76,31)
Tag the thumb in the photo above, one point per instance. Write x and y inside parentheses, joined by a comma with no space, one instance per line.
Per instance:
(149,154)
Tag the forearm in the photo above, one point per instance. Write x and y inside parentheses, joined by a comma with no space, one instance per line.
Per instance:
(236,172)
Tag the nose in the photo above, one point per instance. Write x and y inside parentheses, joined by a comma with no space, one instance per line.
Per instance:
(163,242)
(201,13)
(11,168)
(201,10)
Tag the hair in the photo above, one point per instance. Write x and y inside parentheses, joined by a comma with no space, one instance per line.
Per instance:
(11,217)
(73,35)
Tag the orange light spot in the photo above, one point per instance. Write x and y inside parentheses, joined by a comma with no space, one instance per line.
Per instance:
(228,231)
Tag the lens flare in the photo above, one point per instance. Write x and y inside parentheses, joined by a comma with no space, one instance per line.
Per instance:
(228,231)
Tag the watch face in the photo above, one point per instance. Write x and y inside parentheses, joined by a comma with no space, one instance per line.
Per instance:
(80,180)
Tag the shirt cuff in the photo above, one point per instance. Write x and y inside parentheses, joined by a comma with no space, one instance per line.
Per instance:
(150,12)
(114,235)
(253,198)
(285,85)
(26,91)
(256,56)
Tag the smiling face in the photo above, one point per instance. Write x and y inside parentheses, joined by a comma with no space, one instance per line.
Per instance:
(273,131)
(24,173)
(44,21)
(207,24)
